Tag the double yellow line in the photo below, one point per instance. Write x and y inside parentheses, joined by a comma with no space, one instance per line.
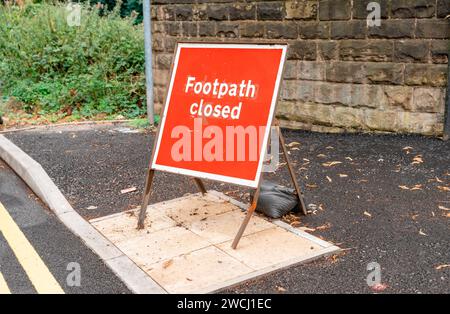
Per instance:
(4,289)
(39,275)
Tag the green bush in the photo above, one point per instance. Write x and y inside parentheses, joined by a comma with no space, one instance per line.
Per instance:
(51,67)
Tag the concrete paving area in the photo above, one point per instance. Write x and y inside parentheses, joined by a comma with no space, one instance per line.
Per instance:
(37,252)
(185,245)
(381,198)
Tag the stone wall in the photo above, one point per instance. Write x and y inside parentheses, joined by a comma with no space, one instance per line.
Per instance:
(341,74)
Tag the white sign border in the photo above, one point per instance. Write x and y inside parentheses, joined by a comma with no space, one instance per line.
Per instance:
(205,175)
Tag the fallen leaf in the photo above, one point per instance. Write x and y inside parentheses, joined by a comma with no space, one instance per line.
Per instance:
(422,233)
(443,208)
(188,279)
(331,163)
(322,156)
(129,190)
(414,217)
(167,263)
(329,147)
(329,179)
(413,188)
(407,149)
(442,266)
(311,186)
(91,207)
(439,180)
(379,287)
(295,224)
(292,144)
(367,214)
(281,289)
(342,175)
(444,188)
(295,148)
(447,215)
(307,229)
(324,227)
(417,160)
(334,258)
(349,158)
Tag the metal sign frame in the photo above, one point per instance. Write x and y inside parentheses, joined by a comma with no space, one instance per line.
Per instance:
(198,176)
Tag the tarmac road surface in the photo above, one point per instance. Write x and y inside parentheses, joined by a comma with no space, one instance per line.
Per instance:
(38,254)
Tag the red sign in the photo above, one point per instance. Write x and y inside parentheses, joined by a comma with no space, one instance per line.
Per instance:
(219,110)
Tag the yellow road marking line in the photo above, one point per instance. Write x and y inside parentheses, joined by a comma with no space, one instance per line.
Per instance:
(39,275)
(4,289)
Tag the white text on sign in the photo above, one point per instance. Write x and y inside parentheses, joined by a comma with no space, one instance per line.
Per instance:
(244,89)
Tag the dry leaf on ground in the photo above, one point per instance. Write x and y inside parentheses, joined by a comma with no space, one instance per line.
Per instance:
(343,175)
(367,214)
(422,233)
(444,188)
(331,163)
(292,144)
(442,266)
(324,227)
(167,263)
(417,160)
(379,287)
(413,188)
(128,190)
(443,208)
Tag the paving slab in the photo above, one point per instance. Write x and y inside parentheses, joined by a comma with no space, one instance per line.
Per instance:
(185,246)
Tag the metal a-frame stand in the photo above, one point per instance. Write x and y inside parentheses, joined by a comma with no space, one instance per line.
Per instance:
(201,186)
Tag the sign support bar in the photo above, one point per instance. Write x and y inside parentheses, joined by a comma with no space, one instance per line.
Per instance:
(252,208)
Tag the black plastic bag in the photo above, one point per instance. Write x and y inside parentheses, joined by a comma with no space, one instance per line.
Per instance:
(275,200)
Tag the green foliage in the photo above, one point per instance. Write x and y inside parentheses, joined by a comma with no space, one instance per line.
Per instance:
(50,67)
(143,123)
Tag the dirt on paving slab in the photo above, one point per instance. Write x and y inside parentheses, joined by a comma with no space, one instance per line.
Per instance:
(382,198)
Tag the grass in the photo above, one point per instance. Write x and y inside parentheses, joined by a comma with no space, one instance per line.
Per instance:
(50,71)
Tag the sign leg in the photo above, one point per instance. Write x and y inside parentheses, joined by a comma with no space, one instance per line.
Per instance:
(146,198)
(250,212)
(291,172)
(200,185)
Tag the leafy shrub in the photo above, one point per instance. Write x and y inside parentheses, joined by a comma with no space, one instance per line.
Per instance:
(49,66)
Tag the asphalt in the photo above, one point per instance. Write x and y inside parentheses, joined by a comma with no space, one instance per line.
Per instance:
(56,246)
(366,204)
